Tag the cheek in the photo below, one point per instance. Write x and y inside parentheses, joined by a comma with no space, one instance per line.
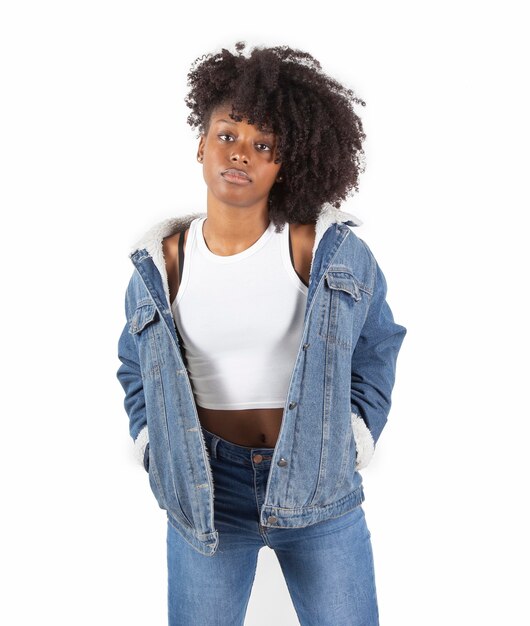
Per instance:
(268,180)
(271,171)
(208,175)
(275,175)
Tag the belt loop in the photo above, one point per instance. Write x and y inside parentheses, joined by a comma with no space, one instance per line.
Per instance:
(213,446)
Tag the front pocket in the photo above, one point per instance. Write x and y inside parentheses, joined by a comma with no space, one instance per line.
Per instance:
(154,482)
(164,488)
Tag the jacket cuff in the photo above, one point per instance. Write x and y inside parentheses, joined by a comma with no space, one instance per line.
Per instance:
(140,444)
(364,442)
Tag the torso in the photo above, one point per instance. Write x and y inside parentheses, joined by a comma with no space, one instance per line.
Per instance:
(257,428)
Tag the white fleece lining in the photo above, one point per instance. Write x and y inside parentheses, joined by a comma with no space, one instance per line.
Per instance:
(364,441)
(330,215)
(140,444)
(152,240)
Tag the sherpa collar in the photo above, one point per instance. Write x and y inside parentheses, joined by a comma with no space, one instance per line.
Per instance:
(151,242)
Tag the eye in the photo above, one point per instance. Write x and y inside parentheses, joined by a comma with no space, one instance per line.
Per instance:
(221,135)
(265,146)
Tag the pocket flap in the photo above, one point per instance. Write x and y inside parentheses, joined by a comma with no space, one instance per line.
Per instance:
(143,315)
(337,279)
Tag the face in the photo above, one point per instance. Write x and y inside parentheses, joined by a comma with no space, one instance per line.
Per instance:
(238,161)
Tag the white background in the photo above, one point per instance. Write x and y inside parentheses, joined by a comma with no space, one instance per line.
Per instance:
(95,148)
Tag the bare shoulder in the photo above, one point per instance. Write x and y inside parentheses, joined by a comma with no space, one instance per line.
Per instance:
(302,240)
(303,235)
(170,245)
(170,248)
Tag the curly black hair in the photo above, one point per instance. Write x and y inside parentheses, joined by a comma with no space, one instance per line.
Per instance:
(285,90)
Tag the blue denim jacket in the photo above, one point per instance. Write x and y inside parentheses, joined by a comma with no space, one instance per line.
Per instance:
(337,403)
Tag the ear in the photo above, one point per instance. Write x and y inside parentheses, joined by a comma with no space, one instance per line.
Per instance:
(200,149)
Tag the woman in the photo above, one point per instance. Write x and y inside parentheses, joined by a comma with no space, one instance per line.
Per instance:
(258,356)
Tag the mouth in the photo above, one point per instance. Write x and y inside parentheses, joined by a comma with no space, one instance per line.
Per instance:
(236,176)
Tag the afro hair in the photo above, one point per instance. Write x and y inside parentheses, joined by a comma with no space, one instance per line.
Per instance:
(319,135)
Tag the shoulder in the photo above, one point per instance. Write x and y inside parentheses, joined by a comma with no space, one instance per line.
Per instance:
(360,258)
(358,245)
(170,248)
(302,234)
(152,239)
(136,294)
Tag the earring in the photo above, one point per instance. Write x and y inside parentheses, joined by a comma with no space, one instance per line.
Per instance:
(279,179)
(199,158)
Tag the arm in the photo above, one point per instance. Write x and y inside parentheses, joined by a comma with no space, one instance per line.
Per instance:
(130,377)
(373,370)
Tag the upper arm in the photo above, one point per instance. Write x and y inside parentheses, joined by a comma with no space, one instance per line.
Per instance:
(374,358)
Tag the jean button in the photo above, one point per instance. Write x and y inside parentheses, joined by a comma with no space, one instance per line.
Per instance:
(272,519)
(257,458)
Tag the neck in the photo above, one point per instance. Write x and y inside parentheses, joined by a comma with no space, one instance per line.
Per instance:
(229,234)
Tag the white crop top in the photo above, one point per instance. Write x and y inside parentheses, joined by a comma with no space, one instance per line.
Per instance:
(240,318)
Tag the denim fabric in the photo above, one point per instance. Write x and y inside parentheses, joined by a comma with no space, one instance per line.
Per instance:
(328,566)
(337,404)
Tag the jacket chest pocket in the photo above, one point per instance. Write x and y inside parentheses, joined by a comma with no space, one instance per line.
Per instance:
(145,330)
(144,315)
(341,294)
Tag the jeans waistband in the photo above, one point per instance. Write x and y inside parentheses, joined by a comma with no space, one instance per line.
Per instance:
(220,448)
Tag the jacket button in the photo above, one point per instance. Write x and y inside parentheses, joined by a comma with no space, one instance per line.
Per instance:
(292,405)
(305,346)
(272,519)
(282,462)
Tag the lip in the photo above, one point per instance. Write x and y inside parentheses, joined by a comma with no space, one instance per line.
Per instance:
(236,176)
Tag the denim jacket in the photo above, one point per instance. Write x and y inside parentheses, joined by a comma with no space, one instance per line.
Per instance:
(337,403)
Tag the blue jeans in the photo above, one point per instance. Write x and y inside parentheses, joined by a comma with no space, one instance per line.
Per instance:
(328,566)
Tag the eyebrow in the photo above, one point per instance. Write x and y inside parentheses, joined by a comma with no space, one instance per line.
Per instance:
(263,132)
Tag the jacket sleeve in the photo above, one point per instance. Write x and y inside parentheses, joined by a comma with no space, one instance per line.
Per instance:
(373,370)
(130,377)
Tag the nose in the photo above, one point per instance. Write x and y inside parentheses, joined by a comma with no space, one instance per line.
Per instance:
(236,157)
